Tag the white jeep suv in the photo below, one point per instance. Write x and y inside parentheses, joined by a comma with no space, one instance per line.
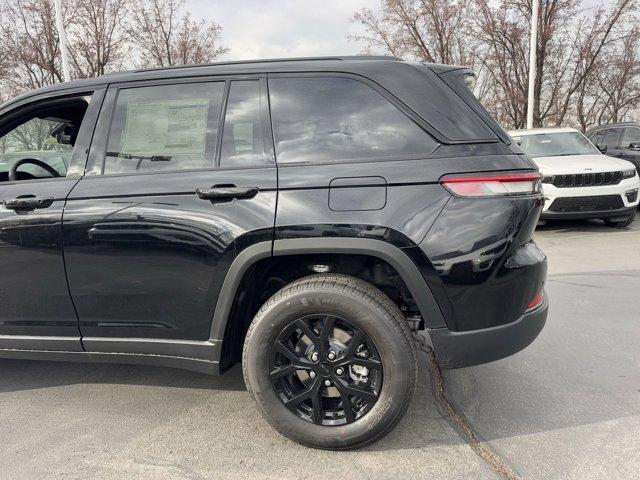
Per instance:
(579,181)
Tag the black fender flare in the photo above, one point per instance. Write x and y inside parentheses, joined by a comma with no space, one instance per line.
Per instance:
(385,251)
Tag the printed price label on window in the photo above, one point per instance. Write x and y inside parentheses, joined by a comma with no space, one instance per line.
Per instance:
(166,127)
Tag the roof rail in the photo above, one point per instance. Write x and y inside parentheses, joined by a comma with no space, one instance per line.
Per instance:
(268,60)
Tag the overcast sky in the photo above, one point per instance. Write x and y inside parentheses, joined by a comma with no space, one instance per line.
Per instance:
(289,28)
(283,28)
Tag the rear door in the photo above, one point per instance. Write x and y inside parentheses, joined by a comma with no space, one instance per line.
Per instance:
(181,178)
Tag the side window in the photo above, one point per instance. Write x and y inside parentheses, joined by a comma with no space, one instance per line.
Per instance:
(40,143)
(630,135)
(165,127)
(242,137)
(596,138)
(611,138)
(332,119)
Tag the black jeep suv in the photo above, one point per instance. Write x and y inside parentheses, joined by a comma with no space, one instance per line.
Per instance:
(306,217)
(620,140)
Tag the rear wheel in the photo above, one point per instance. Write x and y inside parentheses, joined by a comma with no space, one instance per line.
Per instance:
(331,362)
(620,222)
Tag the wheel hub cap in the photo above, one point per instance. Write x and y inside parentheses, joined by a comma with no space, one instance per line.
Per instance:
(314,390)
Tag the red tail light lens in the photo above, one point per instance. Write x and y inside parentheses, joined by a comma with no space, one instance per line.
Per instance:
(493,184)
(535,301)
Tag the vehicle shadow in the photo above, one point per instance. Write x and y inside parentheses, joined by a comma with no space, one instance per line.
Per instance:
(583,226)
(22,380)
(16,375)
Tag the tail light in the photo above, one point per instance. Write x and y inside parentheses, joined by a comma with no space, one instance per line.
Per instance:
(536,301)
(493,184)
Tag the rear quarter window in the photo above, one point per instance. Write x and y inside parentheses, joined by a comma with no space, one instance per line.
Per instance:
(340,119)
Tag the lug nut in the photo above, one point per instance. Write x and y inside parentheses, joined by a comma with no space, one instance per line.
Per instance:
(312,374)
(327,383)
(340,371)
(314,356)
(331,355)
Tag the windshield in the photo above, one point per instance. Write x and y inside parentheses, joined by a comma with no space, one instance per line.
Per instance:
(555,144)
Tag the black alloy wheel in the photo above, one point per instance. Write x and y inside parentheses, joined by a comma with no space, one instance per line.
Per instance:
(331,362)
(326,370)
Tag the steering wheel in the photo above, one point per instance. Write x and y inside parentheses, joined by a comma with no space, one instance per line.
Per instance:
(34,161)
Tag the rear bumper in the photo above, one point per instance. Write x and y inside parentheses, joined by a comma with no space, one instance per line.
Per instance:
(621,212)
(474,347)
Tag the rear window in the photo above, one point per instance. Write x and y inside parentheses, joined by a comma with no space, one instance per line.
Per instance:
(337,119)
(242,137)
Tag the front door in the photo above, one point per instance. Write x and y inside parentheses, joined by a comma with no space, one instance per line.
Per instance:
(181,178)
(43,148)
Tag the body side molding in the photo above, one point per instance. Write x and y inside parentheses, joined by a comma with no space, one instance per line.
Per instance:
(207,350)
(194,364)
(44,343)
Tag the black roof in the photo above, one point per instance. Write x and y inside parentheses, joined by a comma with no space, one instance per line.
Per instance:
(450,118)
(264,61)
(302,64)
(609,125)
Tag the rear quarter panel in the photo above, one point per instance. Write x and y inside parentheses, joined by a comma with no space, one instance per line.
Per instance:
(423,218)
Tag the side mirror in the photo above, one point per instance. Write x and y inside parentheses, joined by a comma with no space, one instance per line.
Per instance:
(602,148)
(634,146)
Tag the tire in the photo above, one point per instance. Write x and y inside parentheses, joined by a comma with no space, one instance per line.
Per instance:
(350,302)
(620,223)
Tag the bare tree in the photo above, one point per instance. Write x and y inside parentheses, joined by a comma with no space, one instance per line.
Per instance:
(29,40)
(427,30)
(619,80)
(32,42)
(98,34)
(167,37)
(492,36)
(5,61)
(607,28)
(503,30)
(503,55)
(103,35)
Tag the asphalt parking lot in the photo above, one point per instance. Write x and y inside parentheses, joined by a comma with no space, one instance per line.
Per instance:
(566,407)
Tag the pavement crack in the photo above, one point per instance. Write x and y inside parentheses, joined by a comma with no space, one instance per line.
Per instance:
(461,423)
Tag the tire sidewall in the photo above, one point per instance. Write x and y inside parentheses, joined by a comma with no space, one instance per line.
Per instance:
(397,359)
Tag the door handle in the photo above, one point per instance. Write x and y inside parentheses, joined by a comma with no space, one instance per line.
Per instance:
(28,202)
(226,194)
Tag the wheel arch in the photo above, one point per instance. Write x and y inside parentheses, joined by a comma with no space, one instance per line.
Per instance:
(241,268)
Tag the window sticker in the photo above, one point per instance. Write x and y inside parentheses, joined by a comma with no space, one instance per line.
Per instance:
(168,127)
(243,137)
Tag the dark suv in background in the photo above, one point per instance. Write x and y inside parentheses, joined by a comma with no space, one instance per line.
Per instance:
(306,217)
(620,140)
